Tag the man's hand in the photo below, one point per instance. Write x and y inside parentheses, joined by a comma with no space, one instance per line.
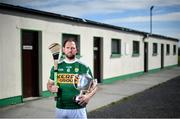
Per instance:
(83,100)
(54,89)
(51,87)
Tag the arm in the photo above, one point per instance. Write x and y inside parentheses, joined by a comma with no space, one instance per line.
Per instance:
(84,99)
(92,90)
(51,86)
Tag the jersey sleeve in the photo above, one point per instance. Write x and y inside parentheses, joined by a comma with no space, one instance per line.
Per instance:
(89,72)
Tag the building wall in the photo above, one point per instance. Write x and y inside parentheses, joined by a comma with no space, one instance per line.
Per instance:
(10,49)
(126,63)
(155,61)
(10,58)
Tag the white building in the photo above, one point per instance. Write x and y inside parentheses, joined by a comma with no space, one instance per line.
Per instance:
(112,52)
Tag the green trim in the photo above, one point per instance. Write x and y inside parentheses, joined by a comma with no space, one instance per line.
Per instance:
(122,77)
(115,55)
(158,69)
(11,101)
(154,54)
(171,66)
(19,99)
(154,70)
(45,94)
(135,55)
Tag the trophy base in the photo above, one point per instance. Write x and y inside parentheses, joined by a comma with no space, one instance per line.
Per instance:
(76,99)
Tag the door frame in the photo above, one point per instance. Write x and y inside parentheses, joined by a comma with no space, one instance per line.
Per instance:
(146,48)
(39,60)
(101,57)
(162,56)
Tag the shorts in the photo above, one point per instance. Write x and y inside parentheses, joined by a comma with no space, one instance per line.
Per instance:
(71,113)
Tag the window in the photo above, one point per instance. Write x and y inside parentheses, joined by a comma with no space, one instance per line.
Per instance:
(174,49)
(116,47)
(77,40)
(135,48)
(167,49)
(155,49)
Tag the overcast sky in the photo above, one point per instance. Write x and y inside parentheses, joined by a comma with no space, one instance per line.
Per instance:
(133,14)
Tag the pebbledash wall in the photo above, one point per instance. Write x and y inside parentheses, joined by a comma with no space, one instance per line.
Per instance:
(50,27)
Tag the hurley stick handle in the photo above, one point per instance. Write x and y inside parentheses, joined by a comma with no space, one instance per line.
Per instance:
(55,71)
(55,49)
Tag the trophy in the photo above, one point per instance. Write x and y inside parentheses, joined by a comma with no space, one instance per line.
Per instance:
(83,84)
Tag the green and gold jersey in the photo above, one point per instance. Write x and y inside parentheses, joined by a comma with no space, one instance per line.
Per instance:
(66,72)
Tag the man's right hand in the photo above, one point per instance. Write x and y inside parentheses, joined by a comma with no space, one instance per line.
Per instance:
(54,89)
(51,87)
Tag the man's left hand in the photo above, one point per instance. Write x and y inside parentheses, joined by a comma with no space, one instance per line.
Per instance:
(83,100)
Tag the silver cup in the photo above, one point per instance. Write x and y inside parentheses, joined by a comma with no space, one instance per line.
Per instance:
(83,84)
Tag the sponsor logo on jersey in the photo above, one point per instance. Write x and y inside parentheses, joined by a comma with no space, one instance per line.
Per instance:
(61,69)
(76,69)
(68,78)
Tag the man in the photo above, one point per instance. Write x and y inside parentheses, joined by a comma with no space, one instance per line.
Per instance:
(68,69)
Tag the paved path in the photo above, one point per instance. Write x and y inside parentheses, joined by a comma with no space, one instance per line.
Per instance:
(162,101)
(123,88)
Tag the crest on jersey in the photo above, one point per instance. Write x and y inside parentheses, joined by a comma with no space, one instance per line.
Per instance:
(76,69)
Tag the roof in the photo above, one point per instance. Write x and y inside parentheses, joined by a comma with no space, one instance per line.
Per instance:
(78,20)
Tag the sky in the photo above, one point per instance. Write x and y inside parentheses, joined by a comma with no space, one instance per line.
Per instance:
(133,14)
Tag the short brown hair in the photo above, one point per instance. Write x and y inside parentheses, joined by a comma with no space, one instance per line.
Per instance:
(70,39)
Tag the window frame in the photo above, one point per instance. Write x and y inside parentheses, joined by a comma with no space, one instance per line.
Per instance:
(135,48)
(117,53)
(155,49)
(167,49)
(174,49)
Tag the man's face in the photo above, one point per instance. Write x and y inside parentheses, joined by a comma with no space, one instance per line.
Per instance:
(70,50)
